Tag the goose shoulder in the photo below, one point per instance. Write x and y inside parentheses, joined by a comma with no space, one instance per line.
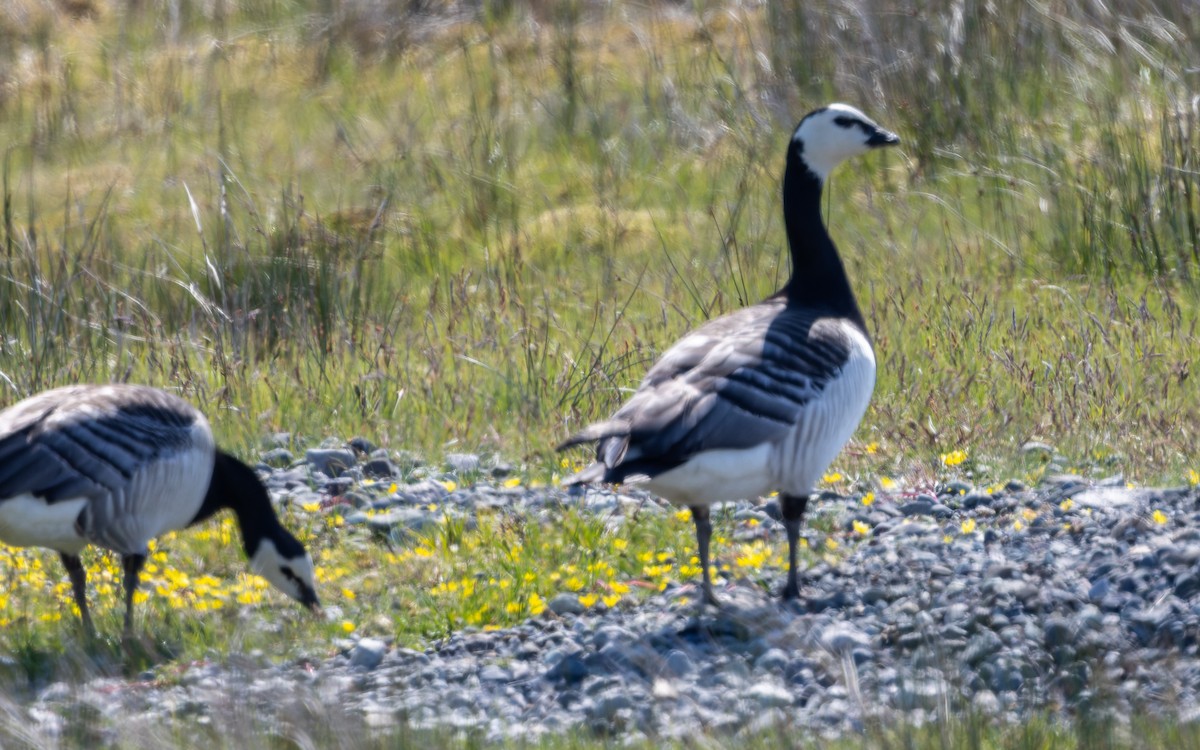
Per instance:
(740,381)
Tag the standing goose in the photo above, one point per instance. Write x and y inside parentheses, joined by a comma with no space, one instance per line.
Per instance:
(118,465)
(761,399)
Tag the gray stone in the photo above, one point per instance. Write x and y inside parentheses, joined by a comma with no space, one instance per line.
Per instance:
(368,653)
(843,637)
(462,463)
(278,458)
(331,462)
(380,468)
(678,664)
(566,603)
(769,695)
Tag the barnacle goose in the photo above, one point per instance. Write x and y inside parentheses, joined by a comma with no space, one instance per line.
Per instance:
(118,465)
(763,398)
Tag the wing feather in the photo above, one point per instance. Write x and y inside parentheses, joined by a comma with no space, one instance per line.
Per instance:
(741,380)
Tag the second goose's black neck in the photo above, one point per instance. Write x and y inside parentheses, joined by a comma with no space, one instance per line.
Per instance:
(236,486)
(818,278)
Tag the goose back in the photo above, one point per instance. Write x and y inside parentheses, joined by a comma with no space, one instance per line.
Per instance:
(130,462)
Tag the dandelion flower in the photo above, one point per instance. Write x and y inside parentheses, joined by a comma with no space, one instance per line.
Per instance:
(537,605)
(1159,517)
(683,515)
(861,528)
(832,477)
(868,499)
(954,458)
(872,448)
(450,485)
(514,482)
(588,600)
(887,483)
(968,526)
(620,544)
(610,600)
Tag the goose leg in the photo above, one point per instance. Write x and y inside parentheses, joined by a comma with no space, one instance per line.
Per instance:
(133,569)
(78,578)
(792,508)
(700,514)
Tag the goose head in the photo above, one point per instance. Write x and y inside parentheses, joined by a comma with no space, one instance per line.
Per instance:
(828,136)
(281,559)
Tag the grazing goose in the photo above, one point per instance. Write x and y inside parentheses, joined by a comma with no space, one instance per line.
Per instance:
(118,465)
(761,399)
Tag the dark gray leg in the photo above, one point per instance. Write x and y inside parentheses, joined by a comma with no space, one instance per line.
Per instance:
(78,578)
(133,569)
(793,515)
(700,514)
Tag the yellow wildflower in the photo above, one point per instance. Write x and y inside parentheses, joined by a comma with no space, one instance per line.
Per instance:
(887,483)
(610,600)
(831,543)
(347,626)
(450,485)
(968,526)
(868,499)
(954,458)
(832,477)
(861,528)
(588,600)
(513,482)
(1159,517)
(536,604)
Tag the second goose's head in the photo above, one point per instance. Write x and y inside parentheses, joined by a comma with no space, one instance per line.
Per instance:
(828,136)
(281,559)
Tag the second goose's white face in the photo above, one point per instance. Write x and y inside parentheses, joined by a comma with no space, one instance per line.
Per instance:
(293,576)
(829,136)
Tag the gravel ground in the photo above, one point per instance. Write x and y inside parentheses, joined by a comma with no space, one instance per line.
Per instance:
(1093,602)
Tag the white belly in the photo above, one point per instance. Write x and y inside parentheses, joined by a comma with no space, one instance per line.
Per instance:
(716,476)
(28,521)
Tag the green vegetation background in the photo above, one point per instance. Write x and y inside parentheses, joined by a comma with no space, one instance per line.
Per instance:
(437,226)
(451,226)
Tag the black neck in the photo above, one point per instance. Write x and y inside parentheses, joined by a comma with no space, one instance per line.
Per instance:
(818,277)
(235,486)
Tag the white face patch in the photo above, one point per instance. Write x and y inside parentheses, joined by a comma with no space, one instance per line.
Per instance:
(283,573)
(833,135)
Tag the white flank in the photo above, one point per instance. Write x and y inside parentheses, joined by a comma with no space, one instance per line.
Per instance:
(798,462)
(162,496)
(792,465)
(716,476)
(28,521)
